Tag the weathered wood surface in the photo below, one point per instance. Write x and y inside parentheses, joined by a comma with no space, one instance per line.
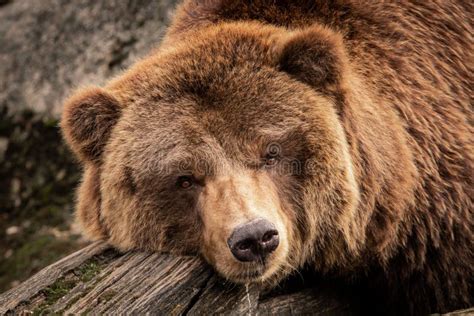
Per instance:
(100,280)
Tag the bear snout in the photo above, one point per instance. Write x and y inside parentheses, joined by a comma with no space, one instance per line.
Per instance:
(253,240)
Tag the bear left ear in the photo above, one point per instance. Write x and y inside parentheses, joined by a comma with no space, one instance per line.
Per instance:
(315,56)
(87,120)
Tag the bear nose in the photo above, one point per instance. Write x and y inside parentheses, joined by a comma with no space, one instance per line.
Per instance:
(253,240)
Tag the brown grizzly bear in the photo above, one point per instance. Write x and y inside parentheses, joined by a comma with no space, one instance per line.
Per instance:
(269,135)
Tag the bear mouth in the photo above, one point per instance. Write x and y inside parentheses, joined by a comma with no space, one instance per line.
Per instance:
(249,274)
(248,277)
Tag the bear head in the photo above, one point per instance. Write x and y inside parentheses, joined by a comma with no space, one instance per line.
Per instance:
(227,144)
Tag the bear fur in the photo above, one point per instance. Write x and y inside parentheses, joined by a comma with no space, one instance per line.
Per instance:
(371,100)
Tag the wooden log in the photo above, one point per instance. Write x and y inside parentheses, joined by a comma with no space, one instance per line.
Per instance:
(28,290)
(100,280)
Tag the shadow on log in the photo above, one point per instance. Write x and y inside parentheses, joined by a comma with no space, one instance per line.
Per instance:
(100,280)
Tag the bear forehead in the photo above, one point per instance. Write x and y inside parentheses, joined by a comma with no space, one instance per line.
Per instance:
(221,89)
(189,124)
(208,61)
(236,108)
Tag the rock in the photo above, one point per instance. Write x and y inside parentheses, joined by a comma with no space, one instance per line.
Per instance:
(49,47)
(8,253)
(12,230)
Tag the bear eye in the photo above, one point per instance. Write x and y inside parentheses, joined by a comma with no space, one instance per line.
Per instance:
(185,182)
(271,160)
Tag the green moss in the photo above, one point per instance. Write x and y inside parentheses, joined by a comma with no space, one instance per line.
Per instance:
(88,271)
(58,290)
(52,294)
(42,310)
(62,286)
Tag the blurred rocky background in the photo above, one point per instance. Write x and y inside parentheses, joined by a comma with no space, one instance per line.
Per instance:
(47,49)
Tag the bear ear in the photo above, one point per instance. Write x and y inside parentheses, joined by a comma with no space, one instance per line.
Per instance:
(87,120)
(315,56)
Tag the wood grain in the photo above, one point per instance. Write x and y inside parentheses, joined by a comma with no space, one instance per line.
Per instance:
(98,280)
(223,298)
(28,289)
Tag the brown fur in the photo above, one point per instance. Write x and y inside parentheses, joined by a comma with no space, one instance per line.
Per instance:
(369,106)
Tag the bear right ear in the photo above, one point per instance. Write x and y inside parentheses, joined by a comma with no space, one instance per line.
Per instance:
(315,56)
(87,120)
